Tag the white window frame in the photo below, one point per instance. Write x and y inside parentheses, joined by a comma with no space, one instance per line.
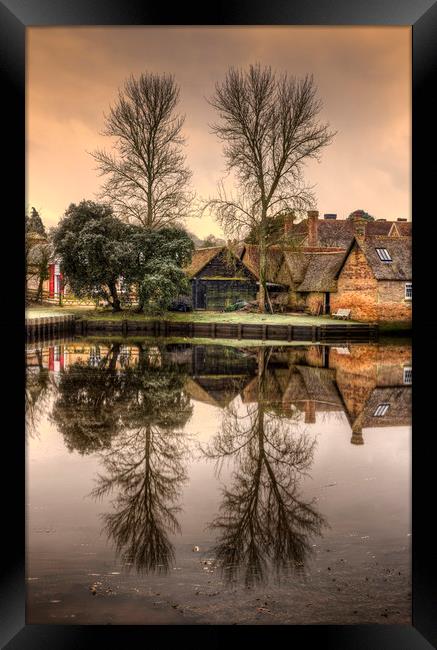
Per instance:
(408,291)
(381,409)
(408,375)
(383,255)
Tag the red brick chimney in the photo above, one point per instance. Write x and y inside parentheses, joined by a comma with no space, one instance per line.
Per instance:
(289,223)
(313,228)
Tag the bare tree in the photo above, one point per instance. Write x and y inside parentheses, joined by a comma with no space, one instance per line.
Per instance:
(269,126)
(146,176)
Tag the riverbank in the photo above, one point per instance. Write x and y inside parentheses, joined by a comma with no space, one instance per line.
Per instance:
(212,325)
(188,317)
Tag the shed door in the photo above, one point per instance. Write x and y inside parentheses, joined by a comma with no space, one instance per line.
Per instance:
(200,295)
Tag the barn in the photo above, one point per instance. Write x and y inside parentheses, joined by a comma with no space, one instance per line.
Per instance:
(219,278)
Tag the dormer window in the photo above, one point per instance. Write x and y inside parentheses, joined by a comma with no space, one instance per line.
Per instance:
(384,255)
(381,410)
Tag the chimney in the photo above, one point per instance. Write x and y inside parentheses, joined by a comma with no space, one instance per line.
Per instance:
(359,223)
(289,223)
(330,216)
(401,219)
(381,220)
(310,411)
(313,227)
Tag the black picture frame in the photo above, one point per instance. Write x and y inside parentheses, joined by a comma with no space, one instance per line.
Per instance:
(15,17)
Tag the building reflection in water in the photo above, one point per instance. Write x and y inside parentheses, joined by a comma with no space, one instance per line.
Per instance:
(130,403)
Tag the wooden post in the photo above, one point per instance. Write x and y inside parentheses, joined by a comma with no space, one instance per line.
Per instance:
(264,332)
(239,331)
(289,332)
(313,333)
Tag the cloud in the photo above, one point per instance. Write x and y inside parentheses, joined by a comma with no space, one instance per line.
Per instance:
(363,75)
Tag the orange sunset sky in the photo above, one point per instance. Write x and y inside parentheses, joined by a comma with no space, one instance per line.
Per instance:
(363,75)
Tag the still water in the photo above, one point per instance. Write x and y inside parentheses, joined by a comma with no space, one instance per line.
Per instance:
(172,483)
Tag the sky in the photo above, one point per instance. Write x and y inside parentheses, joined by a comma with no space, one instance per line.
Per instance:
(363,75)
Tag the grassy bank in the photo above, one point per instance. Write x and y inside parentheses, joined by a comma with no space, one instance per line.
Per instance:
(232,343)
(190,317)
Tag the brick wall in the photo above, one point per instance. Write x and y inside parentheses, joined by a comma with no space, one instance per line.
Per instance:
(314,302)
(357,289)
(368,299)
(391,301)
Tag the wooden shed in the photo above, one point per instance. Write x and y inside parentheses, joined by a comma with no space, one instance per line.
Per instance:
(219,278)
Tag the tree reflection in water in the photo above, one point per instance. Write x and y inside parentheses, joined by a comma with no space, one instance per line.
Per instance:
(142,409)
(37,392)
(263,520)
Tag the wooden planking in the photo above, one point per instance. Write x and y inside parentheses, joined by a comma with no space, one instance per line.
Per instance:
(241,331)
(49,327)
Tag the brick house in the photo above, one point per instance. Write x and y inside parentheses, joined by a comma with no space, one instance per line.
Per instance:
(374,280)
(361,265)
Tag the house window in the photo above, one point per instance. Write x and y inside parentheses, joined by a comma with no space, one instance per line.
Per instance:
(408,291)
(408,375)
(381,410)
(95,357)
(383,255)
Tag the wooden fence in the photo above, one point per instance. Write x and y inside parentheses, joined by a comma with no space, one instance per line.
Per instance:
(71,299)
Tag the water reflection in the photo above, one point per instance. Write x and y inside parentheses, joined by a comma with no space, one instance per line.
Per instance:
(133,415)
(262,517)
(129,403)
(37,392)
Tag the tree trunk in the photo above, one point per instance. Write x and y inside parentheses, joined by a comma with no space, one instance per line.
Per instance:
(140,307)
(262,267)
(149,205)
(116,306)
(39,292)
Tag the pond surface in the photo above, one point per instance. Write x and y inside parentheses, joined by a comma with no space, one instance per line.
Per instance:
(173,483)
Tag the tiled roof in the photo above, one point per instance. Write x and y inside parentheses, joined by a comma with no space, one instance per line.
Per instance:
(399,412)
(340,232)
(399,249)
